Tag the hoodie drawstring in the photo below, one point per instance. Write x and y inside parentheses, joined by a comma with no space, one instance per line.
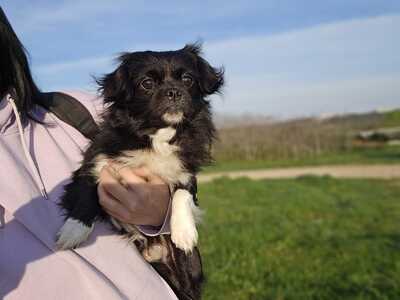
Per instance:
(35,171)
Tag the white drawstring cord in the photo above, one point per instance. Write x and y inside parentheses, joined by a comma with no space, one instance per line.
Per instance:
(28,156)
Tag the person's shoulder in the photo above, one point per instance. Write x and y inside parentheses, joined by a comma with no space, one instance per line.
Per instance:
(92,101)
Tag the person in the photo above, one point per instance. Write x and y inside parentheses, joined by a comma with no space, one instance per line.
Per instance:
(38,153)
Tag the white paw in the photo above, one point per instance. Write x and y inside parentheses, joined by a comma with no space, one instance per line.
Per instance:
(183,226)
(72,233)
(184,236)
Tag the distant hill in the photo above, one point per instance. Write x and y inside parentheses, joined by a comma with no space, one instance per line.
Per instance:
(262,138)
(389,118)
(226,121)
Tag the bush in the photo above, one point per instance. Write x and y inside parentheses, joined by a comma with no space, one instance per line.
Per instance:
(292,140)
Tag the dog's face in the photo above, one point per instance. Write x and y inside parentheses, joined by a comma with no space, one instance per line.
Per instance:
(168,86)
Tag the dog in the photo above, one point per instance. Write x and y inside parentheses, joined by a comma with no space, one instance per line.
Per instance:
(157,115)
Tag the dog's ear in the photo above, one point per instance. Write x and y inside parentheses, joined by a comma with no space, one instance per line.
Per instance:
(112,85)
(211,79)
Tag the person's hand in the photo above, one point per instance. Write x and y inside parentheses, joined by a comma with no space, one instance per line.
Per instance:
(133,195)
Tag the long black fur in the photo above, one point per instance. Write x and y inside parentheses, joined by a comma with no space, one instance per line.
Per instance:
(133,114)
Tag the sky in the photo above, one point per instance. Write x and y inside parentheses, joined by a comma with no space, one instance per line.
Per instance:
(285,59)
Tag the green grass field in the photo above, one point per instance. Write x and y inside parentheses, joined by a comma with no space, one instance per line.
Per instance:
(379,155)
(391,118)
(307,238)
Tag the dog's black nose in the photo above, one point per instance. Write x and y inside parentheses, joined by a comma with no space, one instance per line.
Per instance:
(173,94)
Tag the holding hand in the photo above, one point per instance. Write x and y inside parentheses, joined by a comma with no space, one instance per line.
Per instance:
(133,195)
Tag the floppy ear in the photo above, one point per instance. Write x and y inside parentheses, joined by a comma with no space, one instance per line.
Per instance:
(113,85)
(211,79)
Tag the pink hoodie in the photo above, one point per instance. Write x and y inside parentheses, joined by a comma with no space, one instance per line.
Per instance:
(105,267)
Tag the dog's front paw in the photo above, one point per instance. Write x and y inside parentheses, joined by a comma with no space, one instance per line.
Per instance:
(72,233)
(183,226)
(184,234)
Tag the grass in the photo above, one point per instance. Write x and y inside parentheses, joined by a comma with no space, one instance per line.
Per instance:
(391,118)
(306,238)
(379,155)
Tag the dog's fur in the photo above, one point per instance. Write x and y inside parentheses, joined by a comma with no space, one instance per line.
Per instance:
(157,116)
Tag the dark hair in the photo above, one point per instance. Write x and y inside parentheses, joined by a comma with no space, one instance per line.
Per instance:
(15,75)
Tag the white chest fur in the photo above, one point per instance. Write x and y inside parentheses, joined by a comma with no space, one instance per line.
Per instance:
(162,159)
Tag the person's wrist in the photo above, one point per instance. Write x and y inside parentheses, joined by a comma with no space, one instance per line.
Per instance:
(164,192)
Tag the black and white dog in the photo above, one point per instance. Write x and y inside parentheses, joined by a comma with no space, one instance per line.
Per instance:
(157,116)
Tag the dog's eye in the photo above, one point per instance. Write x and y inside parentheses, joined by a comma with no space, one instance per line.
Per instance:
(147,84)
(187,80)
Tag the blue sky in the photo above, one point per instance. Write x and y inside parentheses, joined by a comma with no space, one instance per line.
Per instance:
(284,58)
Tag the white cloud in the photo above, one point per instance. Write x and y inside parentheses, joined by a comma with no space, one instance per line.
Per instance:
(339,67)
(346,45)
(94,63)
(36,17)
(288,99)
(80,64)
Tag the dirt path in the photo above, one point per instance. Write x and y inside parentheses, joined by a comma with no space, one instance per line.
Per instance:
(340,171)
